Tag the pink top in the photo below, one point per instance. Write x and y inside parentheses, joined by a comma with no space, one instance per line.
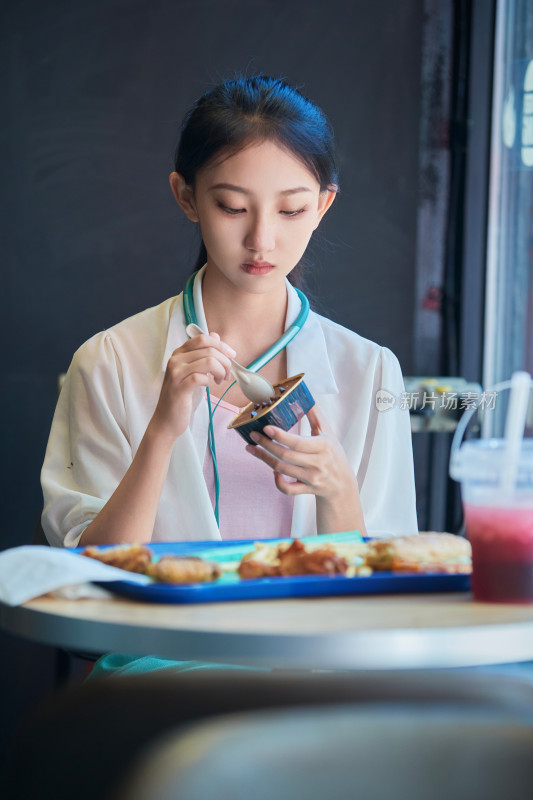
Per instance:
(246,485)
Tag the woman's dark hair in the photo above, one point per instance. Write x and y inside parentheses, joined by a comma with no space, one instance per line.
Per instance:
(255,109)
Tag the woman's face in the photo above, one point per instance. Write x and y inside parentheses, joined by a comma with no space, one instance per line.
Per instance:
(257,210)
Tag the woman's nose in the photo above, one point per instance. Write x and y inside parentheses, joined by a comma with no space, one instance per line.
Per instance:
(260,236)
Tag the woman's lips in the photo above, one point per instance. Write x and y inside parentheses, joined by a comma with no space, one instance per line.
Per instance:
(257,267)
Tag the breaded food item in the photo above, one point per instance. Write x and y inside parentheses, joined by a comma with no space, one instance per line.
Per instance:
(253,568)
(424,552)
(131,557)
(262,562)
(297,560)
(292,558)
(176,569)
(168,569)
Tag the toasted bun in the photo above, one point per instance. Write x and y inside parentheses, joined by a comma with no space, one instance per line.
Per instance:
(439,552)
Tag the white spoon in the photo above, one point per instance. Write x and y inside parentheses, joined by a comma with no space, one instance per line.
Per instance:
(253,386)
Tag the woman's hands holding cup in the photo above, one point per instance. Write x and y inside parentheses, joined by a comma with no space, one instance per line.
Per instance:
(189,367)
(315,464)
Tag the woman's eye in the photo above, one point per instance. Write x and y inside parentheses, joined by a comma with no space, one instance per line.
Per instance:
(229,210)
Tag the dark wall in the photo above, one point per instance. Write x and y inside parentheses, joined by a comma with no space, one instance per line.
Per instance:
(94,95)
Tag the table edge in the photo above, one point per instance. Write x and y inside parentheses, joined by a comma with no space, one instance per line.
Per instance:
(408,648)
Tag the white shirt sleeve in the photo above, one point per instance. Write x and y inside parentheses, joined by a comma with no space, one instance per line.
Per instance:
(387,488)
(88,450)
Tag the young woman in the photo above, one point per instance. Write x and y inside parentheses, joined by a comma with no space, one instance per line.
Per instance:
(128,457)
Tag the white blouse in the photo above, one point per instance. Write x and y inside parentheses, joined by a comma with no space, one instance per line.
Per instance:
(111,391)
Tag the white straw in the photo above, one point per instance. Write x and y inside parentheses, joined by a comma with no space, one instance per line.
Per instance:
(514,428)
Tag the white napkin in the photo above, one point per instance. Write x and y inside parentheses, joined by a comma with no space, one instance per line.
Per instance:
(80,591)
(32,570)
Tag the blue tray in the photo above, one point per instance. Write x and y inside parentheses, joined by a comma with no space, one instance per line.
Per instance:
(230,587)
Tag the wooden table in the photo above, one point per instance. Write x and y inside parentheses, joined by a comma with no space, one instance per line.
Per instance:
(357,633)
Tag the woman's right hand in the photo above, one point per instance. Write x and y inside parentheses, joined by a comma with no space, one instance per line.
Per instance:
(189,367)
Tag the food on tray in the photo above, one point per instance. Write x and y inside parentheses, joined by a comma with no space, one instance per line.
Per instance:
(133,558)
(296,558)
(186,569)
(424,552)
(251,567)
(168,569)
(291,400)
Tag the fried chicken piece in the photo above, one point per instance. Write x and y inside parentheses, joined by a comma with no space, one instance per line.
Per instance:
(325,562)
(262,562)
(293,559)
(252,568)
(176,569)
(296,560)
(133,558)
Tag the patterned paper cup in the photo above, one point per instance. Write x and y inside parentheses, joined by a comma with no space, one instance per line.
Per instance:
(292,399)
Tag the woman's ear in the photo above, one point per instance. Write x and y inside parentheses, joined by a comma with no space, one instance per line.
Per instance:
(184,195)
(325,200)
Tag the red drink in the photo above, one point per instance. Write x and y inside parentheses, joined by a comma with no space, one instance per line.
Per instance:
(502,552)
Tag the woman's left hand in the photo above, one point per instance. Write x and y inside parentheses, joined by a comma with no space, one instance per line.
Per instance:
(318,465)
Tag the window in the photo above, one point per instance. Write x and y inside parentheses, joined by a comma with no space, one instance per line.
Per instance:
(509,295)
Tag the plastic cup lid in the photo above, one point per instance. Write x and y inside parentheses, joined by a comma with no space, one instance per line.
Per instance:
(482,459)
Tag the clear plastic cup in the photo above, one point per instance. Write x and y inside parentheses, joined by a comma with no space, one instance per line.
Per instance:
(499,520)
